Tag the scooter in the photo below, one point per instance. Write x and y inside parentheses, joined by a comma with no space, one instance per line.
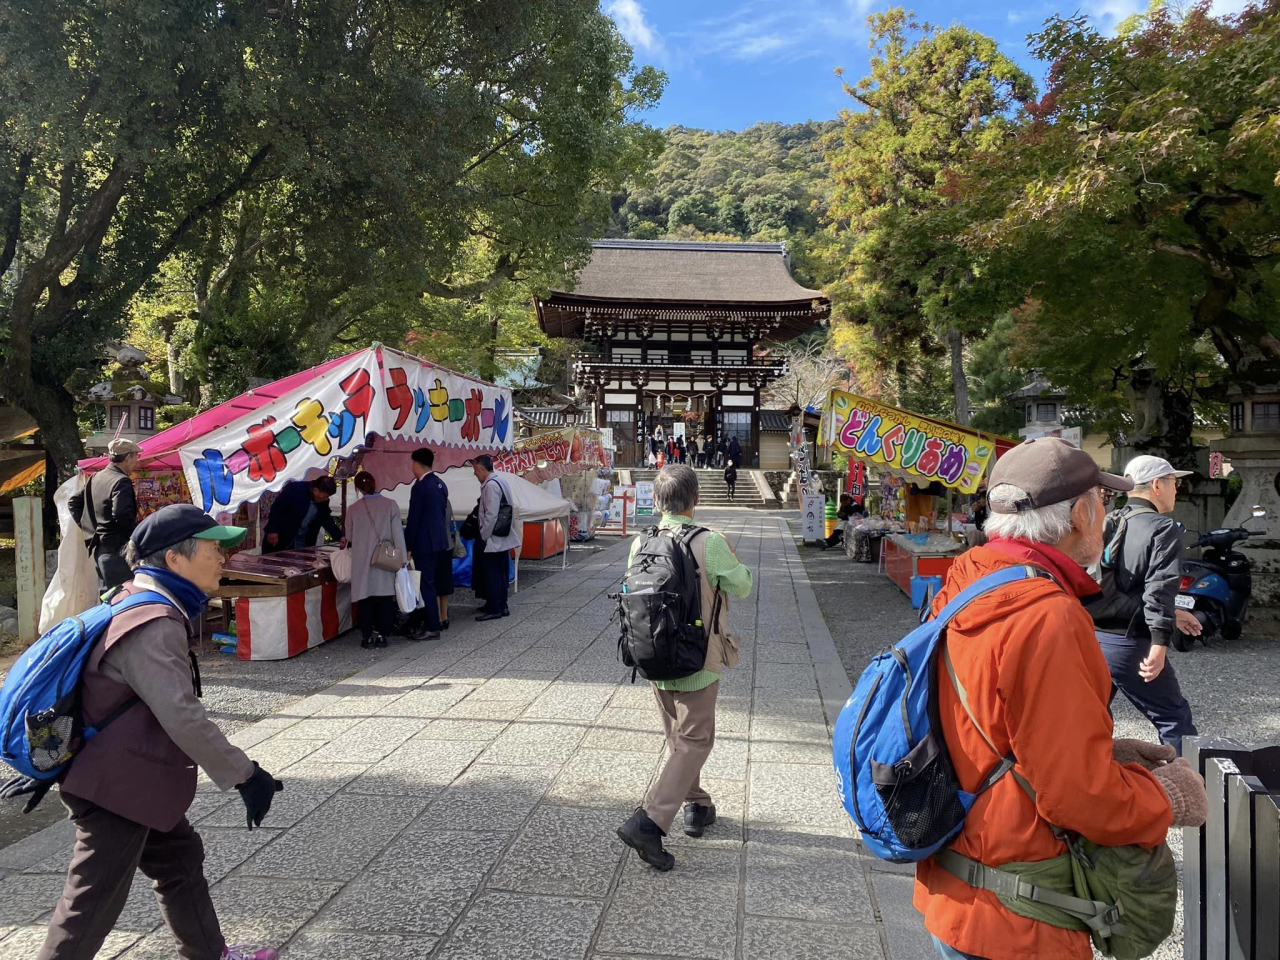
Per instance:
(1217,587)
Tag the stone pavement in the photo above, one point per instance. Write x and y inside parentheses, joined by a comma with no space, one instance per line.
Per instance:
(459,800)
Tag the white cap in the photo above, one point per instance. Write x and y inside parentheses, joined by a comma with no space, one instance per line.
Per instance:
(1145,468)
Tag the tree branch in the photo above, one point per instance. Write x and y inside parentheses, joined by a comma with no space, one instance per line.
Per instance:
(13,216)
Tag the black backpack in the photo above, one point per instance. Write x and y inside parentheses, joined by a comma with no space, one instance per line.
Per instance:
(660,608)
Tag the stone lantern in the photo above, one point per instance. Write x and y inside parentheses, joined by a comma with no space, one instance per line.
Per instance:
(1253,447)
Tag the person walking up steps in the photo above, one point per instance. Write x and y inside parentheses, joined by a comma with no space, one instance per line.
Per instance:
(731,478)
(698,563)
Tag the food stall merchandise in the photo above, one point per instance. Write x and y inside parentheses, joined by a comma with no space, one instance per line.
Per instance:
(285,603)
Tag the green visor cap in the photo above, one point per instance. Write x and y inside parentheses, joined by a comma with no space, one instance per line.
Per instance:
(224,536)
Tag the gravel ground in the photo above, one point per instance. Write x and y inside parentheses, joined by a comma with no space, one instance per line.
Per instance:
(1233,688)
(238,693)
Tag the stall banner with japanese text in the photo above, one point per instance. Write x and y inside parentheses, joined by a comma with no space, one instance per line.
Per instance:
(309,429)
(902,441)
(546,456)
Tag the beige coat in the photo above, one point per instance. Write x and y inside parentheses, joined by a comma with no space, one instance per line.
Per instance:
(370,520)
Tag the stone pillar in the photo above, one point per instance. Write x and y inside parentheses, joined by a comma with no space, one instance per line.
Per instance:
(1256,457)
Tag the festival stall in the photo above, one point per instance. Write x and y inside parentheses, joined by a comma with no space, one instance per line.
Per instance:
(921,461)
(367,410)
(552,456)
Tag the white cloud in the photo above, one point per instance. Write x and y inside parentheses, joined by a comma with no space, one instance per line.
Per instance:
(760,29)
(629,16)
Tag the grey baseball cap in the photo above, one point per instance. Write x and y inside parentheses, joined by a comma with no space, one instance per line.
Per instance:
(1051,471)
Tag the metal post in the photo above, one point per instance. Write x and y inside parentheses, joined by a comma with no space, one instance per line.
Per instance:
(28,522)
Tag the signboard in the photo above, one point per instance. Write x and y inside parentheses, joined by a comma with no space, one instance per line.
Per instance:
(549,455)
(677,430)
(856,481)
(630,491)
(1215,465)
(606,438)
(916,446)
(308,429)
(811,516)
(644,496)
(1073,435)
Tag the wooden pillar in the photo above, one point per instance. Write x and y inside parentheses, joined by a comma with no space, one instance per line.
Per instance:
(755,430)
(28,524)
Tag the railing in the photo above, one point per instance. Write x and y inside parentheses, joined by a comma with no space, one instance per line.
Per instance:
(1231,865)
(599,360)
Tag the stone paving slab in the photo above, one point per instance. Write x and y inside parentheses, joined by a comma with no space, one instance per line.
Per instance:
(459,799)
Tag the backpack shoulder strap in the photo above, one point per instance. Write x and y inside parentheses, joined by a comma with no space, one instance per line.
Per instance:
(139,599)
(984,585)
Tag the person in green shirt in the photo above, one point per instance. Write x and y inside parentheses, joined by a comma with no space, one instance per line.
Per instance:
(688,705)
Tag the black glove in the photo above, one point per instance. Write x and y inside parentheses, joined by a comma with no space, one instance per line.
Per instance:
(21,786)
(257,793)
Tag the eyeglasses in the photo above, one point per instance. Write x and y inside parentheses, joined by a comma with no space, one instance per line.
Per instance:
(1176,481)
(1106,496)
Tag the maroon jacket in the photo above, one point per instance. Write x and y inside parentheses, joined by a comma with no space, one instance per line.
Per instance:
(135,768)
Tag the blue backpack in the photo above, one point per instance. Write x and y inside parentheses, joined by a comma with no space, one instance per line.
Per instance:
(41,726)
(893,772)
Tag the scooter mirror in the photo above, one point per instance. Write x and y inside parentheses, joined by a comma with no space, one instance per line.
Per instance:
(1258,512)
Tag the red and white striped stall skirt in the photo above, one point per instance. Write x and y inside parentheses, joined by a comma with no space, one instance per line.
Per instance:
(275,628)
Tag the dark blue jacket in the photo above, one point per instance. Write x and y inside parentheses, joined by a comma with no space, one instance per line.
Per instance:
(428,528)
(290,510)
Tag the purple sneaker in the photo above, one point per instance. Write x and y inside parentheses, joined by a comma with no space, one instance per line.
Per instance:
(249,953)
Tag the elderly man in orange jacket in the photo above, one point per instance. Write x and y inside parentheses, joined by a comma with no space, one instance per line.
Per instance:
(1039,687)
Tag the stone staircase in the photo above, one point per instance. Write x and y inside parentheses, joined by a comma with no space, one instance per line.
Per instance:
(712,490)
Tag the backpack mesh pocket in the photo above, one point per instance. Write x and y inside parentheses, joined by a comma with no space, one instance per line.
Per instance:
(920,795)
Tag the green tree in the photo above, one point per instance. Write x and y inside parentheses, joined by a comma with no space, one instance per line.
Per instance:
(932,100)
(1136,213)
(307,162)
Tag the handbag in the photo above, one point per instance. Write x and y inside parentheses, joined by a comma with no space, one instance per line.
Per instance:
(502,526)
(456,546)
(340,564)
(470,528)
(386,555)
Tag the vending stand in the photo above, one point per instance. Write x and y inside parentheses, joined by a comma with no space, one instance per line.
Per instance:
(922,461)
(367,410)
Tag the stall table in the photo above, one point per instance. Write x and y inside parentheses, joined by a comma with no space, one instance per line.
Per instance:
(285,603)
(542,539)
(904,558)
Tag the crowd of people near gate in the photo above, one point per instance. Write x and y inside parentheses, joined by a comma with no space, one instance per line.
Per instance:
(703,453)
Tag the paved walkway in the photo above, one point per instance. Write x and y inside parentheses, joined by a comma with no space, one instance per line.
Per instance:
(459,800)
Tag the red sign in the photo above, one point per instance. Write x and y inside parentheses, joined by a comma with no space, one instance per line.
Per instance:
(856,482)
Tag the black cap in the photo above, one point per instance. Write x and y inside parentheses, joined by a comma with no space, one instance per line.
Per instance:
(181,521)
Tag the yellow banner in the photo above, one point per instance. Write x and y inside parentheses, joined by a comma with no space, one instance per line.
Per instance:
(907,443)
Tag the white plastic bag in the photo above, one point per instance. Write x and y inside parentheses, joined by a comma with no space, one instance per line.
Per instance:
(74,586)
(340,564)
(407,598)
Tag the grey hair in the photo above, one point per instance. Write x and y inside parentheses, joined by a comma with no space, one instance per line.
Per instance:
(186,548)
(675,489)
(1039,524)
(1141,488)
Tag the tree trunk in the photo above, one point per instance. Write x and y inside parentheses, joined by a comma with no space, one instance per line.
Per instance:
(959,384)
(54,411)
(176,386)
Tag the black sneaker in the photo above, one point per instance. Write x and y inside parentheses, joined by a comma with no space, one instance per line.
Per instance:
(645,837)
(366,643)
(379,640)
(697,818)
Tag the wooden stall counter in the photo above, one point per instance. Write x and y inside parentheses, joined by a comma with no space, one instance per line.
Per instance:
(285,603)
(904,558)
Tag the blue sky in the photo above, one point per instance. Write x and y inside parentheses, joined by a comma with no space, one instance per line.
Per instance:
(732,63)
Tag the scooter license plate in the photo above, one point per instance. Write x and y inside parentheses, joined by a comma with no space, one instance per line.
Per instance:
(1184,602)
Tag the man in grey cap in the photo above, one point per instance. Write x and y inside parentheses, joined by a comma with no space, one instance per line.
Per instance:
(1135,616)
(107,512)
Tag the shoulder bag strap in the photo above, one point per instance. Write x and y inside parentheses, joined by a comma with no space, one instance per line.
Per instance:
(88,505)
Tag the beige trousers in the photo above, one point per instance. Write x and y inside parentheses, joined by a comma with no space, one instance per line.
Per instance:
(689,720)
